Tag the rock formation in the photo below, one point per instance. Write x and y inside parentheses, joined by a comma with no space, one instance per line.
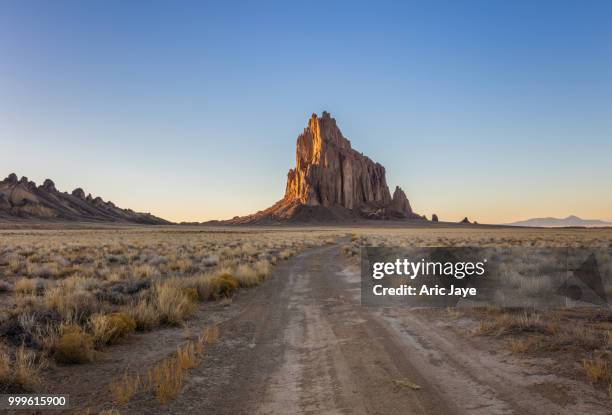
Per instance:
(331,181)
(22,199)
(400,202)
(434,218)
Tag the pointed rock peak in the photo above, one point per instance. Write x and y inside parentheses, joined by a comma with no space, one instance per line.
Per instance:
(11,178)
(399,193)
(465,220)
(332,180)
(400,201)
(23,180)
(78,192)
(49,186)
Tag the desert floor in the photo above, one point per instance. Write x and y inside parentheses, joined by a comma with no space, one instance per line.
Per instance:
(293,338)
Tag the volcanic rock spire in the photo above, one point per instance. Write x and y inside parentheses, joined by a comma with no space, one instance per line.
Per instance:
(331,181)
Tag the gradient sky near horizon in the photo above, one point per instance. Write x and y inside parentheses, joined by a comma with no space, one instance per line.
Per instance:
(494,110)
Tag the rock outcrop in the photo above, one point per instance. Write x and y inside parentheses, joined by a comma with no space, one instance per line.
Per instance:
(331,181)
(400,202)
(434,218)
(22,199)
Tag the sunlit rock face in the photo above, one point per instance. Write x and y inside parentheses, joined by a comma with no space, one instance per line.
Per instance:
(328,172)
(333,182)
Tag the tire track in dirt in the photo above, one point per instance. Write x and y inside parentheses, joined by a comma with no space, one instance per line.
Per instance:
(301,343)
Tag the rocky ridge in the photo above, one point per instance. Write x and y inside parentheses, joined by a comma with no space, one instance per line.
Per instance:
(23,199)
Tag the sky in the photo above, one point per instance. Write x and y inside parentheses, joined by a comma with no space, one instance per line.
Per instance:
(494,110)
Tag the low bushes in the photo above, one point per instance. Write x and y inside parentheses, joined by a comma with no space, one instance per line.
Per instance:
(74,345)
(20,373)
(222,286)
(247,276)
(173,304)
(144,313)
(108,329)
(27,286)
(71,304)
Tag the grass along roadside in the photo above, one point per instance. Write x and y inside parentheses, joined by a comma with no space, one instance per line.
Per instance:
(69,295)
(578,340)
(166,378)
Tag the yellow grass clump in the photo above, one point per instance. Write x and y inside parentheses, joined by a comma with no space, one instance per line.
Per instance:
(173,304)
(597,370)
(22,372)
(74,345)
(124,389)
(222,286)
(144,313)
(26,286)
(108,329)
(246,276)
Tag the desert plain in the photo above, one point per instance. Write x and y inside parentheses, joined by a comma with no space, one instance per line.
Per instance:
(268,320)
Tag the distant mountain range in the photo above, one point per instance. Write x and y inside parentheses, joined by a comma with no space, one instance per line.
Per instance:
(558,223)
(22,199)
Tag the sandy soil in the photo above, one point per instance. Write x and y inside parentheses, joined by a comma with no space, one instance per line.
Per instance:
(301,343)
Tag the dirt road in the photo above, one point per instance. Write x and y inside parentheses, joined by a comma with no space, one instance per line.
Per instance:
(301,343)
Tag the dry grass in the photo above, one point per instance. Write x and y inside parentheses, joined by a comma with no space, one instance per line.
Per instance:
(597,370)
(71,303)
(165,379)
(74,345)
(565,335)
(187,356)
(210,335)
(221,286)
(78,278)
(124,389)
(246,276)
(108,329)
(20,373)
(144,313)
(5,369)
(173,304)
(26,369)
(513,323)
(26,286)
(144,271)
(524,346)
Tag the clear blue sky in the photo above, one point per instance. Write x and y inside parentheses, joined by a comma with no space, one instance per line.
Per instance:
(495,110)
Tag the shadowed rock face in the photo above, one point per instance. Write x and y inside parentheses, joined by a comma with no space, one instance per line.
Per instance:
(400,202)
(331,181)
(24,200)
